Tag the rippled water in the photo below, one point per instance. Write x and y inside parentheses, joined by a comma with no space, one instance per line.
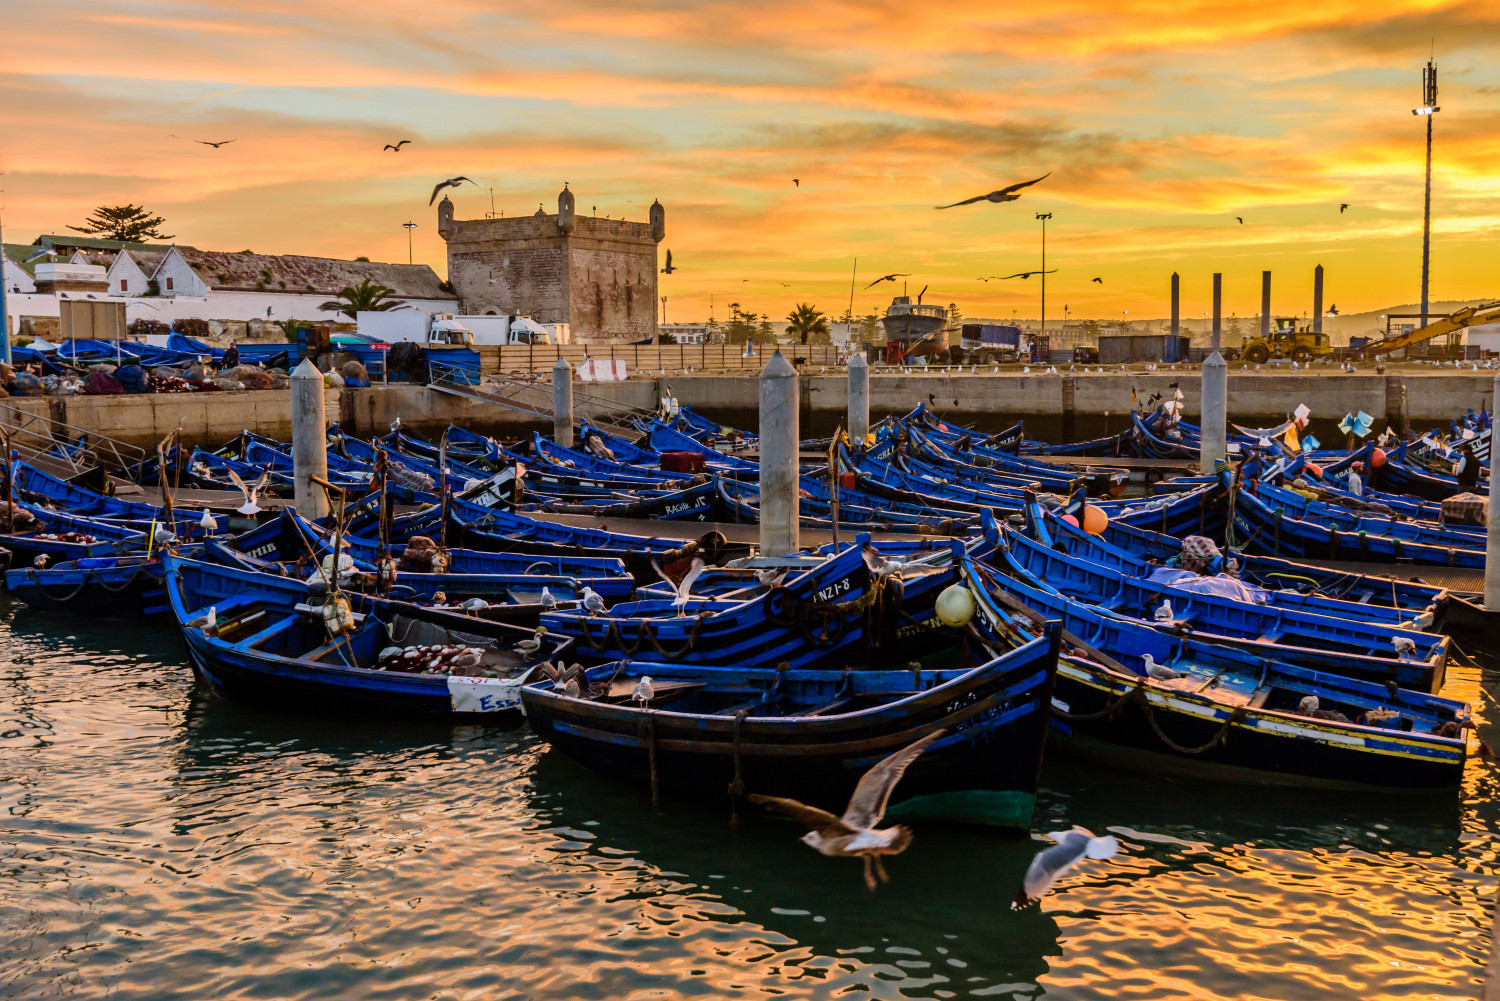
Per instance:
(156,842)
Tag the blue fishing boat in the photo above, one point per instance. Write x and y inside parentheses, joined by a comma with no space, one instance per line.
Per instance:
(107,587)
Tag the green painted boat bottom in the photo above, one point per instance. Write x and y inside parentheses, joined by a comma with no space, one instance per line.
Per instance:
(991,808)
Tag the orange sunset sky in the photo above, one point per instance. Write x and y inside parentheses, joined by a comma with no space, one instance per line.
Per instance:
(1161,121)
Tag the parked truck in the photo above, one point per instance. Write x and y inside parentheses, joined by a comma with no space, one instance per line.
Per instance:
(446,330)
(988,343)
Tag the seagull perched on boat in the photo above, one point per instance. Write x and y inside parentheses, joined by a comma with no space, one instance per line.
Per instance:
(683,589)
(771,576)
(886,278)
(251,493)
(592,603)
(548,601)
(1051,863)
(207,620)
(855,833)
(163,536)
(1163,611)
(643,692)
(1160,672)
(451,182)
(207,522)
(41,561)
(530,646)
(1007,194)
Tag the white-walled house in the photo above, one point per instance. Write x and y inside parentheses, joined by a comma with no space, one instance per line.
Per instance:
(131,271)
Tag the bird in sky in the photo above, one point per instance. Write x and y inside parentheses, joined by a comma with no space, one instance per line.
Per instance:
(1051,863)
(397,147)
(669,268)
(1342,207)
(855,834)
(451,182)
(1028,274)
(216,145)
(796,182)
(1333,309)
(1009,194)
(785,284)
(886,278)
(1241,220)
(1098,280)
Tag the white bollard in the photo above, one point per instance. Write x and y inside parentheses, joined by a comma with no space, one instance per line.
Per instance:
(1492,536)
(859,398)
(562,403)
(1215,413)
(780,511)
(309,440)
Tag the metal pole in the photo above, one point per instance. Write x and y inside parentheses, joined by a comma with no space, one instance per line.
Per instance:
(409,226)
(859,399)
(1265,304)
(1317,324)
(1218,307)
(780,515)
(1427,211)
(1044,216)
(1176,302)
(562,403)
(1492,538)
(309,442)
(4,316)
(852,275)
(1215,411)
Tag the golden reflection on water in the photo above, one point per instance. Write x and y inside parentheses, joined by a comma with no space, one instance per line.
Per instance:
(159,843)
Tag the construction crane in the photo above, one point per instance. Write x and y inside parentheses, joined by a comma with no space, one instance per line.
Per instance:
(1469,316)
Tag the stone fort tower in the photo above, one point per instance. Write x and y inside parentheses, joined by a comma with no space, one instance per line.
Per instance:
(597,275)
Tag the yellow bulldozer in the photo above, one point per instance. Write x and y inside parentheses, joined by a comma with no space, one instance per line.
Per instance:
(1286,340)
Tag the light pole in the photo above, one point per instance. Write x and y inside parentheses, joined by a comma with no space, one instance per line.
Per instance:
(663,309)
(4,318)
(1429,108)
(408,226)
(1044,216)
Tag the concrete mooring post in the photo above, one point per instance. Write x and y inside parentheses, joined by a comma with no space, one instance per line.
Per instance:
(859,399)
(1317,323)
(562,403)
(1215,395)
(1492,536)
(1176,302)
(309,440)
(1265,304)
(780,511)
(1218,307)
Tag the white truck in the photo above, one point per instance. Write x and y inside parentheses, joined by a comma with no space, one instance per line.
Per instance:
(439,329)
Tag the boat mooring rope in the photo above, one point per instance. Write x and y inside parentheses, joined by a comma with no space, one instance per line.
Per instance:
(1138,695)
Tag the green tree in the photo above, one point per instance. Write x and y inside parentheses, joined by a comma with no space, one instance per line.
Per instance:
(741,326)
(955,326)
(366,296)
(130,223)
(867,330)
(666,337)
(1235,330)
(807,324)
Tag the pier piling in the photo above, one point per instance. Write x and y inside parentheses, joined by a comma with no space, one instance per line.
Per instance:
(859,398)
(1218,307)
(780,514)
(1215,406)
(1492,545)
(309,440)
(1176,302)
(1317,323)
(1265,304)
(562,403)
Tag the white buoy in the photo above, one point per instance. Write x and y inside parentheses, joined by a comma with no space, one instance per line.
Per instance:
(955,606)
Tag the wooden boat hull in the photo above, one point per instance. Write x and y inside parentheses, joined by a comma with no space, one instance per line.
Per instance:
(983,772)
(120,592)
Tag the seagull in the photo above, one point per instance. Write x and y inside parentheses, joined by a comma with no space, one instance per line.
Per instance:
(683,589)
(855,833)
(207,620)
(1241,220)
(39,253)
(796,182)
(531,644)
(163,536)
(251,494)
(1342,207)
(771,576)
(1072,846)
(207,522)
(643,692)
(669,268)
(592,603)
(886,278)
(451,182)
(1009,194)
(475,605)
(879,565)
(1160,672)
(1163,611)
(397,148)
(41,561)
(1028,274)
(571,690)
(548,601)
(1098,280)
(216,145)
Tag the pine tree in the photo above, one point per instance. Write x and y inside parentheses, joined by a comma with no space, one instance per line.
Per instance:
(129,223)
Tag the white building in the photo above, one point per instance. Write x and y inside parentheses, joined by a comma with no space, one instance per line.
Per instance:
(688,333)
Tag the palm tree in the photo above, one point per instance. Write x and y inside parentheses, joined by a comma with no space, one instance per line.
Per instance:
(366,296)
(805,321)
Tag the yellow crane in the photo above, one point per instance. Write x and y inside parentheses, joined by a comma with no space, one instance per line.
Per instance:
(1469,316)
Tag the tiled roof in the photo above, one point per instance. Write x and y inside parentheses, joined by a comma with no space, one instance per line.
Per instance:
(321,275)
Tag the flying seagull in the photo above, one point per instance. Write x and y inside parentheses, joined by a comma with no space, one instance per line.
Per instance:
(1342,207)
(1009,194)
(855,833)
(796,182)
(1050,864)
(39,253)
(251,494)
(216,145)
(669,268)
(397,148)
(1241,220)
(887,278)
(1028,274)
(1099,280)
(451,182)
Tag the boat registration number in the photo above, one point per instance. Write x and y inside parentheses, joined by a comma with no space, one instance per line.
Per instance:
(838,587)
(483,695)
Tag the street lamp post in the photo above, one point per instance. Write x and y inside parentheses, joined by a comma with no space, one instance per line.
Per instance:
(1429,108)
(408,226)
(1043,217)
